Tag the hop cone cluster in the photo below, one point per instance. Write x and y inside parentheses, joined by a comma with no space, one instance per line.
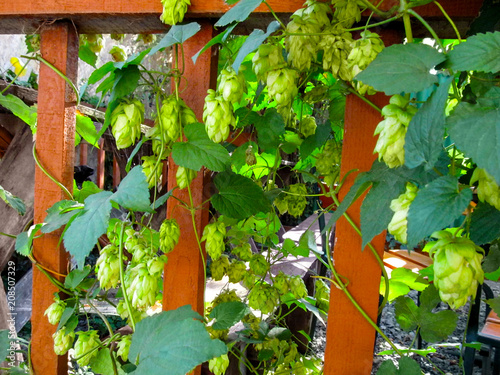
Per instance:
(268,57)
(231,85)
(170,233)
(297,287)
(118,54)
(126,120)
(401,205)
(152,169)
(219,267)
(214,234)
(259,264)
(219,365)
(328,161)
(184,176)
(123,347)
(84,346)
(146,38)
(55,310)
(218,116)
(294,203)
(337,45)
(457,268)
(392,131)
(263,297)
(142,282)
(282,85)
(174,11)
(487,188)
(281,283)
(63,340)
(364,51)
(347,12)
(108,267)
(236,271)
(243,251)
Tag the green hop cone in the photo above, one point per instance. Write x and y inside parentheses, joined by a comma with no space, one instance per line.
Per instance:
(122,310)
(392,131)
(219,267)
(94,42)
(259,264)
(55,310)
(117,37)
(126,120)
(364,51)
(33,42)
(328,161)
(281,283)
(250,157)
(231,85)
(487,188)
(401,205)
(108,267)
(214,234)
(236,271)
(152,169)
(297,287)
(282,85)
(268,57)
(302,49)
(322,295)
(337,45)
(174,11)
(123,347)
(227,295)
(307,126)
(170,233)
(218,116)
(63,340)
(347,12)
(142,286)
(118,54)
(296,201)
(457,268)
(168,120)
(184,176)
(220,334)
(86,346)
(146,38)
(219,365)
(243,251)
(263,297)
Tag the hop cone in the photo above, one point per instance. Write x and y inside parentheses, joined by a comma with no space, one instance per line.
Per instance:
(268,57)
(94,42)
(347,12)
(86,342)
(231,85)
(322,295)
(218,116)
(126,122)
(152,169)
(337,45)
(184,176)
(170,233)
(401,205)
(219,365)
(214,234)
(263,297)
(142,286)
(117,37)
(487,188)
(307,126)
(282,85)
(118,53)
(124,347)
(243,251)
(63,341)
(297,287)
(227,295)
(108,267)
(457,268)
(364,51)
(219,267)
(392,130)
(236,271)
(328,161)
(302,49)
(174,11)
(146,38)
(259,264)
(281,283)
(122,310)
(169,120)
(296,202)
(55,310)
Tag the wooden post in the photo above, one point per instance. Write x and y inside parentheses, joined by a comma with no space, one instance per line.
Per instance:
(101,158)
(84,151)
(116,173)
(184,269)
(55,146)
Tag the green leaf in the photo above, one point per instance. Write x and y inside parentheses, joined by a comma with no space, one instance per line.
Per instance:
(86,128)
(436,206)
(20,109)
(387,368)
(408,366)
(424,138)
(480,52)
(103,364)
(86,55)
(475,129)
(401,281)
(238,156)
(437,326)
(315,141)
(81,236)
(307,242)
(239,12)
(161,200)
(492,261)
(15,202)
(238,197)
(494,304)
(88,188)
(177,34)
(180,343)
(4,343)
(24,240)
(269,129)
(68,318)
(228,314)
(429,298)
(402,68)
(484,226)
(407,314)
(76,276)
(245,116)
(60,214)
(100,73)
(126,81)
(216,40)
(254,40)
(200,151)
(133,192)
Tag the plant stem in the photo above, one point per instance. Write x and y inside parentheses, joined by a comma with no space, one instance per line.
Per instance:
(122,279)
(7,235)
(374,24)
(407,23)
(375,10)
(274,15)
(427,26)
(367,101)
(449,20)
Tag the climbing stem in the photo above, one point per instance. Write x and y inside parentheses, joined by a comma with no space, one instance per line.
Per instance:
(427,26)
(449,20)
(37,161)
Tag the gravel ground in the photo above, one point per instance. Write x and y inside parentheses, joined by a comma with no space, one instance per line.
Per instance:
(446,358)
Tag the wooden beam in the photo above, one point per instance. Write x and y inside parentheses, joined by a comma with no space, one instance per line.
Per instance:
(55,146)
(184,282)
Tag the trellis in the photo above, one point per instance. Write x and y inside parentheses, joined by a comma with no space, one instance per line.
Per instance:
(350,338)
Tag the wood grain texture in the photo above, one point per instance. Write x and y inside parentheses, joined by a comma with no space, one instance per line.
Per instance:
(55,149)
